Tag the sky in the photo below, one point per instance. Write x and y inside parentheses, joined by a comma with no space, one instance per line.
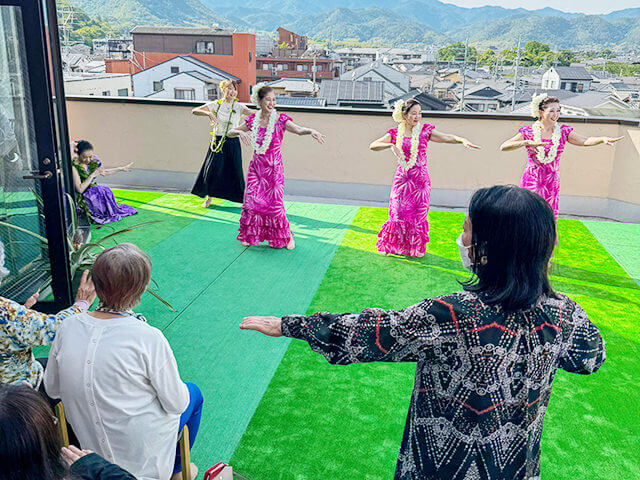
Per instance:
(583,6)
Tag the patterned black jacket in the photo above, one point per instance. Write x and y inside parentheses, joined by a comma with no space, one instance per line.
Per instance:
(483,376)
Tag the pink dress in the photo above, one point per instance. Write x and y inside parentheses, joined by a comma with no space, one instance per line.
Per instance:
(544,178)
(407,230)
(263,217)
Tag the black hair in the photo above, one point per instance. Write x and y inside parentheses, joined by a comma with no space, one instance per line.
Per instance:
(83,146)
(408,105)
(31,444)
(264,90)
(513,237)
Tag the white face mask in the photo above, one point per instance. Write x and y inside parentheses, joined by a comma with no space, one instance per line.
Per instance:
(464,254)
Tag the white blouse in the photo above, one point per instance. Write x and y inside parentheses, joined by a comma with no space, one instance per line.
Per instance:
(225,115)
(121,390)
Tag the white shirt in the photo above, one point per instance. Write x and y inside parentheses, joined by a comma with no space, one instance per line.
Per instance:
(225,115)
(121,390)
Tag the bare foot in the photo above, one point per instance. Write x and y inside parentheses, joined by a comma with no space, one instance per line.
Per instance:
(206,202)
(194,473)
(291,245)
(245,244)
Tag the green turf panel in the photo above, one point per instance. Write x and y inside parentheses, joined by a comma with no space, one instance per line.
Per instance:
(232,367)
(322,421)
(622,241)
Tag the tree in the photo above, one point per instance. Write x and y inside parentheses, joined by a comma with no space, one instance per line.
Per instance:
(565,57)
(607,53)
(487,58)
(536,53)
(455,53)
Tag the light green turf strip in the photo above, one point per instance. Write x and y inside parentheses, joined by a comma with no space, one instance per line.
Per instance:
(317,421)
(232,367)
(622,241)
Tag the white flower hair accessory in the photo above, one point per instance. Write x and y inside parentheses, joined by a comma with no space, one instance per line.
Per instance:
(535,104)
(254,93)
(397,111)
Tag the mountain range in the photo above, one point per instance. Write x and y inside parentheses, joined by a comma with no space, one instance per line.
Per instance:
(379,21)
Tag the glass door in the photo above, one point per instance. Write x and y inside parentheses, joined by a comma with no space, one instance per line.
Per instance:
(32,221)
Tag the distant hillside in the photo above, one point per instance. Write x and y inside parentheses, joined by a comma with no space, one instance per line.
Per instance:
(82,28)
(129,13)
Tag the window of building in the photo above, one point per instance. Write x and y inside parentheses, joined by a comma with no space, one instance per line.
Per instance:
(249,57)
(175,69)
(317,68)
(205,47)
(157,86)
(106,93)
(212,93)
(302,68)
(282,66)
(123,92)
(580,87)
(563,85)
(184,94)
(267,66)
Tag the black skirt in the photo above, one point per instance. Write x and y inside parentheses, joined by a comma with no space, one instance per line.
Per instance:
(221,174)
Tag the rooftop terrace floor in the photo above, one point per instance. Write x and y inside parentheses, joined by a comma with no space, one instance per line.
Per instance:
(276,410)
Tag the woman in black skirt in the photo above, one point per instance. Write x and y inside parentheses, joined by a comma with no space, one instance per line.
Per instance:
(221,174)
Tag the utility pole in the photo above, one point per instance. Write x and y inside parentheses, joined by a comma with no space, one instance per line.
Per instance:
(464,76)
(515,83)
(435,69)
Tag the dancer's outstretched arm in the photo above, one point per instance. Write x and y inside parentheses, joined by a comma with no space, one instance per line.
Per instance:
(517,142)
(204,111)
(111,171)
(247,111)
(381,144)
(298,130)
(241,131)
(582,141)
(440,137)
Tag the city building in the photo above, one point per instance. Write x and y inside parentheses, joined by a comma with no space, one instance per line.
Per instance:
(231,52)
(351,93)
(574,79)
(100,84)
(395,83)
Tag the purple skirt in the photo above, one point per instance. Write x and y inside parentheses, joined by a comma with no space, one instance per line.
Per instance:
(103,207)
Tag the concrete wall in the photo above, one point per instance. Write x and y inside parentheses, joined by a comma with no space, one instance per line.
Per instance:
(168,145)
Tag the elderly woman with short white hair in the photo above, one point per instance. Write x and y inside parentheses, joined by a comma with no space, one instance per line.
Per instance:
(118,378)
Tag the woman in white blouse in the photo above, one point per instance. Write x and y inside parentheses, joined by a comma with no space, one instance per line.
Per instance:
(221,174)
(117,377)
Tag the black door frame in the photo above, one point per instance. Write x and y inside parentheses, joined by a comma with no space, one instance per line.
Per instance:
(45,77)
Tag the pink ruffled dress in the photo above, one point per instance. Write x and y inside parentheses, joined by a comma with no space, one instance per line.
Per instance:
(263,216)
(544,178)
(407,230)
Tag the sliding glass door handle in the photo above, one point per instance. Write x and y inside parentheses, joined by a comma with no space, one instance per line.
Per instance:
(45,176)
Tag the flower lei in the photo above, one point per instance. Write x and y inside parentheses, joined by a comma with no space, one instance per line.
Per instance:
(415,143)
(215,148)
(555,143)
(268,134)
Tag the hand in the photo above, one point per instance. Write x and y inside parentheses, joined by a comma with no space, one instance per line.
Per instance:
(245,138)
(99,171)
(532,143)
(31,301)
(126,168)
(86,290)
(271,326)
(397,152)
(213,118)
(27,384)
(467,144)
(610,141)
(72,454)
(317,136)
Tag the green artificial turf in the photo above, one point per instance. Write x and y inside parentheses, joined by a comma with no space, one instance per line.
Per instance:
(321,421)
(279,411)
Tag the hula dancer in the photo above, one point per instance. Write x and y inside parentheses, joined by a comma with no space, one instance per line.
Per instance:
(545,141)
(97,201)
(263,216)
(221,174)
(407,230)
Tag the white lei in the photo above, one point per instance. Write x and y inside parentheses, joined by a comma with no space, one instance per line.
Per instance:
(415,143)
(555,142)
(261,149)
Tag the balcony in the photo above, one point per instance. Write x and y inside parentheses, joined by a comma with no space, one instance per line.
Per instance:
(271,404)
